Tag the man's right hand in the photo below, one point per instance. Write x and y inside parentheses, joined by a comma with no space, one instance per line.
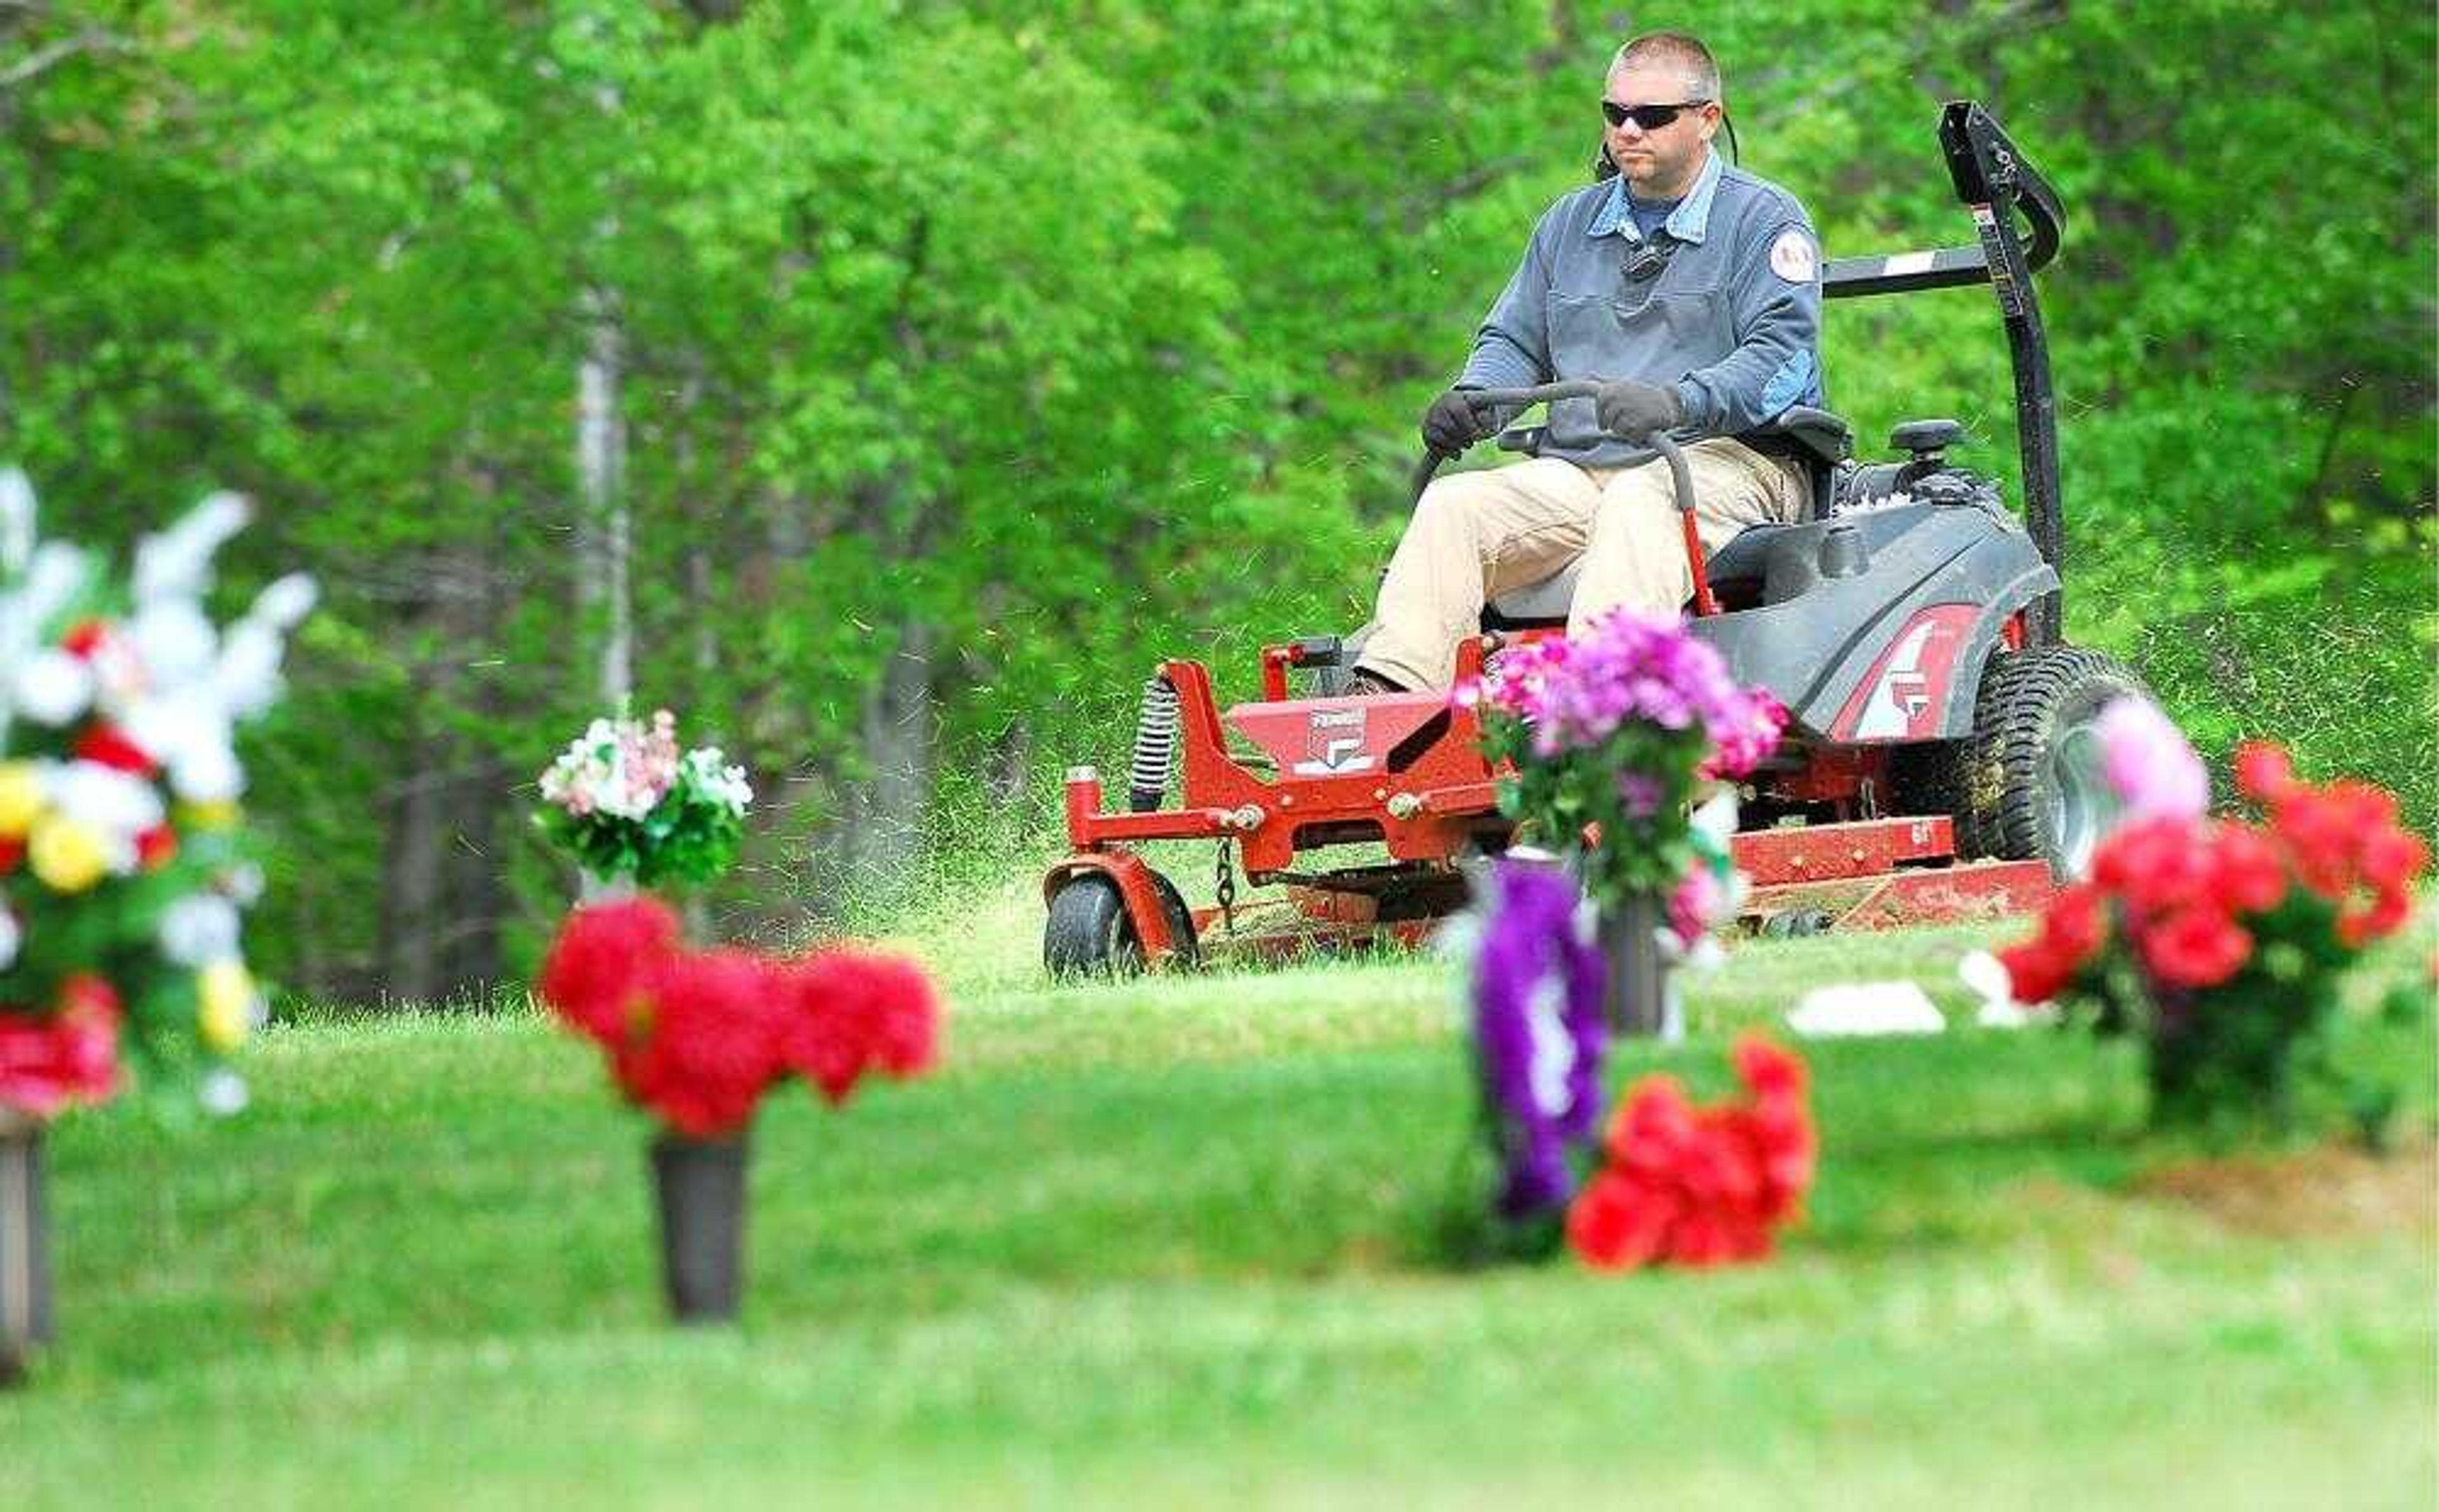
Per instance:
(1452,423)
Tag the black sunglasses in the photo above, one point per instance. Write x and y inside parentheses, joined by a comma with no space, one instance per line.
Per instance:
(1650,117)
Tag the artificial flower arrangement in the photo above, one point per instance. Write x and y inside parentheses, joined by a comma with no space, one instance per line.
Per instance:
(1616,731)
(2219,943)
(628,805)
(697,1038)
(1668,1183)
(122,871)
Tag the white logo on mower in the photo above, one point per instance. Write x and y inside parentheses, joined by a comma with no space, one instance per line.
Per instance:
(1334,742)
(1903,691)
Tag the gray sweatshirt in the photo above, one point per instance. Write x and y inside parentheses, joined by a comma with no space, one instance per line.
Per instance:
(1731,321)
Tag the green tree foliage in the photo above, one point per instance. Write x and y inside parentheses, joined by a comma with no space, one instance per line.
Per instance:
(977,354)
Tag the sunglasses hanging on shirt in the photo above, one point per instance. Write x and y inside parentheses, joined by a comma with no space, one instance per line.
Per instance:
(1647,259)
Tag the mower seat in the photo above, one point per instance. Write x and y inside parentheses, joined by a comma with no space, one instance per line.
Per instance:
(1818,440)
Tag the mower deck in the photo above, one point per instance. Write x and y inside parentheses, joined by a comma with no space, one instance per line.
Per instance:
(1405,771)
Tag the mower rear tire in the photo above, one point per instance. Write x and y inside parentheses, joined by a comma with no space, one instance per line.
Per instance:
(2032,786)
(1089,934)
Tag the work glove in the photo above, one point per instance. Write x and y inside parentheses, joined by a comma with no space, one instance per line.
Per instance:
(1452,423)
(1634,410)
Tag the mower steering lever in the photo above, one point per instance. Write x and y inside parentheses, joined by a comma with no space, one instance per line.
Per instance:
(1660,441)
(1681,479)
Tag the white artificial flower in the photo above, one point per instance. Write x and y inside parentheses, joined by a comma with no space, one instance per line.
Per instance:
(11,935)
(1987,977)
(208,773)
(1716,817)
(16,522)
(52,687)
(285,602)
(199,928)
(241,885)
(222,1093)
(181,719)
(247,679)
(725,785)
(176,644)
(58,572)
(103,798)
(177,563)
(1553,1048)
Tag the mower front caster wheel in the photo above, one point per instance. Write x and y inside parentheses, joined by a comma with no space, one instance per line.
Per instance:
(1089,934)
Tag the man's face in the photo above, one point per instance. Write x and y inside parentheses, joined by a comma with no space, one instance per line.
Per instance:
(1662,162)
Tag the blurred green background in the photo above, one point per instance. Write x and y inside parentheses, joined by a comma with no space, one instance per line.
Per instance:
(942,366)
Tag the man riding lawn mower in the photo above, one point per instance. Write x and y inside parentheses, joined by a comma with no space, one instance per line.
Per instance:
(1940,759)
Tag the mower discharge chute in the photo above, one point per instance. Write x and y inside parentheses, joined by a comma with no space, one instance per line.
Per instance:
(1940,759)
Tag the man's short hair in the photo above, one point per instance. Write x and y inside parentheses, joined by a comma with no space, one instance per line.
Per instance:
(1673,49)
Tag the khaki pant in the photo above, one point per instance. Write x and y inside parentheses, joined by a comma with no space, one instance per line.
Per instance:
(1477,535)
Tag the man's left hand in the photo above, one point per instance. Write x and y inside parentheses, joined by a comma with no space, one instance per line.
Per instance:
(1636,410)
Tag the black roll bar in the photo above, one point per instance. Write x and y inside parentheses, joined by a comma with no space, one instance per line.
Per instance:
(1994,181)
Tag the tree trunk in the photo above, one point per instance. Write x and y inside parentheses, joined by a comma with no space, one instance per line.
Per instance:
(606,544)
(879,833)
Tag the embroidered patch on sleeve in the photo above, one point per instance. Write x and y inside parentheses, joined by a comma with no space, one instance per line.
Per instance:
(1791,257)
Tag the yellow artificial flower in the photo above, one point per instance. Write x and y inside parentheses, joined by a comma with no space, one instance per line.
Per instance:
(214,813)
(21,799)
(227,992)
(65,855)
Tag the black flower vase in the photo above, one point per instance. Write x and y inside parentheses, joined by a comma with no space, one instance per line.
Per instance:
(700,1186)
(24,1249)
(1634,999)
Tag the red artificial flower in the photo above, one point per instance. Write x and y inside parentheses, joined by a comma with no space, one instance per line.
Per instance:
(1769,1071)
(2384,916)
(107,745)
(2156,863)
(86,636)
(2264,772)
(854,1011)
(2195,947)
(2248,873)
(2076,924)
(1652,1127)
(1619,1222)
(707,1050)
(70,1056)
(2035,971)
(1700,1186)
(155,847)
(599,970)
(2393,857)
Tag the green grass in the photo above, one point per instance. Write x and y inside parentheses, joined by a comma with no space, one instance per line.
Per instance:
(1175,1243)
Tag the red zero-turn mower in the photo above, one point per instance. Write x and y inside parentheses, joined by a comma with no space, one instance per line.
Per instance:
(1940,760)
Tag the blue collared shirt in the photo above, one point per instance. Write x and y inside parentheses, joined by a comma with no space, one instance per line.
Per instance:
(1732,322)
(1687,222)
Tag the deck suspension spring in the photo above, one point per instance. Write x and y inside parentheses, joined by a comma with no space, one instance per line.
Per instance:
(1155,745)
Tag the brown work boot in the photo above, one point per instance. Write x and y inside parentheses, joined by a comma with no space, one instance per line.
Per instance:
(1367,684)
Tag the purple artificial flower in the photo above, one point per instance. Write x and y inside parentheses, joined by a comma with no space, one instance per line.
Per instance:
(1539,1034)
(1641,793)
(2148,763)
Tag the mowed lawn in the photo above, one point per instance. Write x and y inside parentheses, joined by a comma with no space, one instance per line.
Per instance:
(1177,1243)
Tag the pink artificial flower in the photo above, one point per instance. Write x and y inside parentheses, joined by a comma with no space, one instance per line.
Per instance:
(2148,763)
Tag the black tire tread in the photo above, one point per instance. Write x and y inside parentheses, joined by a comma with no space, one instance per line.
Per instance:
(1088,932)
(2000,812)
